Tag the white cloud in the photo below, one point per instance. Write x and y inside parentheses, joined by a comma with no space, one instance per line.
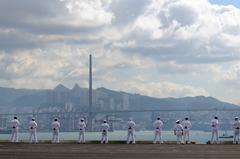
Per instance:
(63,64)
(30,68)
(48,42)
(87,13)
(162,89)
(189,31)
(229,74)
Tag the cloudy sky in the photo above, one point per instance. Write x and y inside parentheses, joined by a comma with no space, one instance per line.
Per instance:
(161,48)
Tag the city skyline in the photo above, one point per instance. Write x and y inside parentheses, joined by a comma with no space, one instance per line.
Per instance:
(172,48)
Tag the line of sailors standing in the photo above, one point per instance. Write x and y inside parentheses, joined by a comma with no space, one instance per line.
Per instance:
(181,131)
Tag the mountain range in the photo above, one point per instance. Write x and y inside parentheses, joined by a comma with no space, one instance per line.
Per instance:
(104,99)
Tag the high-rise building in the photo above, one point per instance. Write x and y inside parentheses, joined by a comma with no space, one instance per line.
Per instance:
(125,105)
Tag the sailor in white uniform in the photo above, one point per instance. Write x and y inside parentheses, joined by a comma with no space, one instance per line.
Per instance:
(104,129)
(15,129)
(215,128)
(186,128)
(236,131)
(33,131)
(55,129)
(82,127)
(131,131)
(158,124)
(178,131)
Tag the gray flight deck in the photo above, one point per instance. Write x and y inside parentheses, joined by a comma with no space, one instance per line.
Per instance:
(116,151)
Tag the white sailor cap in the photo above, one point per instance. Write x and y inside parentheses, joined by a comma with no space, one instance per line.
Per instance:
(177,121)
(104,120)
(82,119)
(33,118)
(236,118)
(130,118)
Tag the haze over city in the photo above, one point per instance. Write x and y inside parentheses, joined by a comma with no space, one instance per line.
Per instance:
(170,48)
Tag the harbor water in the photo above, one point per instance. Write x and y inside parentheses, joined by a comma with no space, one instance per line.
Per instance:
(201,137)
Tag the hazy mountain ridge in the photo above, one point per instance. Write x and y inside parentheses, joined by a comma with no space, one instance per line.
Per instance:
(11,96)
(103,99)
(198,102)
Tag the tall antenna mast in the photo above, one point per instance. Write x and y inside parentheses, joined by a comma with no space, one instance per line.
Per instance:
(90,116)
